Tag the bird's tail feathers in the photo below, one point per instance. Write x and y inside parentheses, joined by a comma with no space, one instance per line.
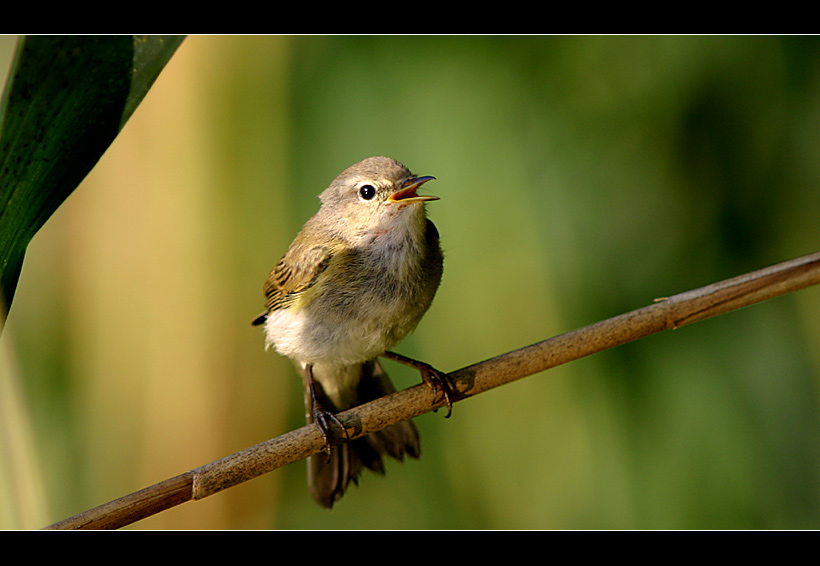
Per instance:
(330,476)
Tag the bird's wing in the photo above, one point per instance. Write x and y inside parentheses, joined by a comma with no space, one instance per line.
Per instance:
(296,272)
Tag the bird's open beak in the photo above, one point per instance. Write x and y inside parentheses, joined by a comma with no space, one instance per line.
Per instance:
(408,191)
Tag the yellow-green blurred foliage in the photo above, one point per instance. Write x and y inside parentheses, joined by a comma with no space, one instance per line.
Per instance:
(580,177)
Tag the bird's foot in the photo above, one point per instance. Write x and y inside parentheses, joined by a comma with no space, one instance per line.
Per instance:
(324,419)
(435,379)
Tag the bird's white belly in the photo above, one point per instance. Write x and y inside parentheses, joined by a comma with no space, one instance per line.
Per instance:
(310,338)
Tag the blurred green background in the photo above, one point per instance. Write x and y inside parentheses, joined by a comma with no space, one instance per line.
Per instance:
(580,177)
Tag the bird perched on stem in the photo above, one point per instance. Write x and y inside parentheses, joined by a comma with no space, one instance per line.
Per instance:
(353,283)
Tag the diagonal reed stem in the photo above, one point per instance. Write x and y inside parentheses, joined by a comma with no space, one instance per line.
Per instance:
(664,314)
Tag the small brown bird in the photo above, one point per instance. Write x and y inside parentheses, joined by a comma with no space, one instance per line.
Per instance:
(355,281)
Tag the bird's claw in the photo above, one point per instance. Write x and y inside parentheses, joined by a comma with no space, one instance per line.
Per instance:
(436,380)
(324,419)
(440,383)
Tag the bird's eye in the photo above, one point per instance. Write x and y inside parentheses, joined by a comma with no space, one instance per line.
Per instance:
(367,192)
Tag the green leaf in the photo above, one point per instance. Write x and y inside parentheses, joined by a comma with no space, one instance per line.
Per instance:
(66,100)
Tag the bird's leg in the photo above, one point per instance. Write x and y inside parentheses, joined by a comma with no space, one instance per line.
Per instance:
(321,416)
(435,379)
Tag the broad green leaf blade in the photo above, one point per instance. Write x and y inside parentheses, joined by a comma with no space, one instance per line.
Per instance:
(66,100)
